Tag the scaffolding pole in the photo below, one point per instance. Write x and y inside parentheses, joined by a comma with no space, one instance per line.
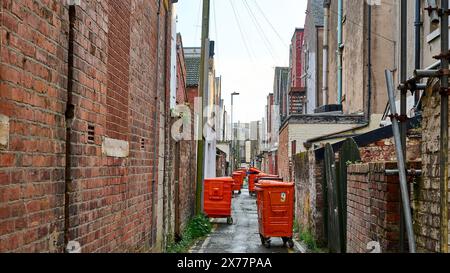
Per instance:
(401,163)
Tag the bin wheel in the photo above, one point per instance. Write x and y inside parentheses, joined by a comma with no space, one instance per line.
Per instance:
(268,243)
(290,243)
(240,192)
(263,240)
(229,220)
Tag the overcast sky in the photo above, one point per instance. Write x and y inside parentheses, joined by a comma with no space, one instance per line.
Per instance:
(247,67)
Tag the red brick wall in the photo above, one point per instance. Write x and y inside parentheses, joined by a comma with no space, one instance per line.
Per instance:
(181,72)
(185,156)
(118,63)
(33,48)
(144,100)
(384,150)
(373,206)
(297,60)
(109,205)
(284,163)
(273,162)
(187,181)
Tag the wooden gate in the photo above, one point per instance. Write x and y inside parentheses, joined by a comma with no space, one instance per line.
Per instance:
(349,154)
(335,190)
(332,190)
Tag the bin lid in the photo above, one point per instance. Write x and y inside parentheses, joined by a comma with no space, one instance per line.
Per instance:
(221,179)
(267,175)
(265,178)
(255,170)
(269,183)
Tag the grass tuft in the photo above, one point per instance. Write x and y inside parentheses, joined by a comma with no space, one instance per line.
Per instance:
(198,227)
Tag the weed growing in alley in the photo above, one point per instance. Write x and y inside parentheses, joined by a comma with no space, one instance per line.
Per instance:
(198,227)
(306,237)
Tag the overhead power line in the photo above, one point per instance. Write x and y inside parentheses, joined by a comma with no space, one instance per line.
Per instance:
(217,34)
(240,30)
(268,21)
(197,26)
(260,31)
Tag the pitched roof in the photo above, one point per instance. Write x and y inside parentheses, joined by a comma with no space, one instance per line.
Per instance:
(192,70)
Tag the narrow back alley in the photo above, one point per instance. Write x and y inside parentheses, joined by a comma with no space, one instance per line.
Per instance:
(224,126)
(241,237)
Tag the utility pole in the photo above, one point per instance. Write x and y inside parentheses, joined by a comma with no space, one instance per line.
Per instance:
(201,90)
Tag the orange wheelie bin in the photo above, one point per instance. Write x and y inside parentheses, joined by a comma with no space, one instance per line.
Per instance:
(263,177)
(238,178)
(252,173)
(217,198)
(275,202)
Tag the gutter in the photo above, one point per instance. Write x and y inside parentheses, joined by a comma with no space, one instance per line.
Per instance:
(371,136)
(339,134)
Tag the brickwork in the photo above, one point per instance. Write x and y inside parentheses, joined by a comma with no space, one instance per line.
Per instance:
(373,206)
(427,192)
(284,157)
(119,16)
(297,62)
(33,48)
(384,150)
(184,155)
(110,198)
(221,164)
(309,202)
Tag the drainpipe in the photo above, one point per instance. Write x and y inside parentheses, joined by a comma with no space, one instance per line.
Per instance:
(369,62)
(69,115)
(155,125)
(444,128)
(339,50)
(418,25)
(325,52)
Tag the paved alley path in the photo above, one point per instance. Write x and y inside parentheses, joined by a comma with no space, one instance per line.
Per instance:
(243,235)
